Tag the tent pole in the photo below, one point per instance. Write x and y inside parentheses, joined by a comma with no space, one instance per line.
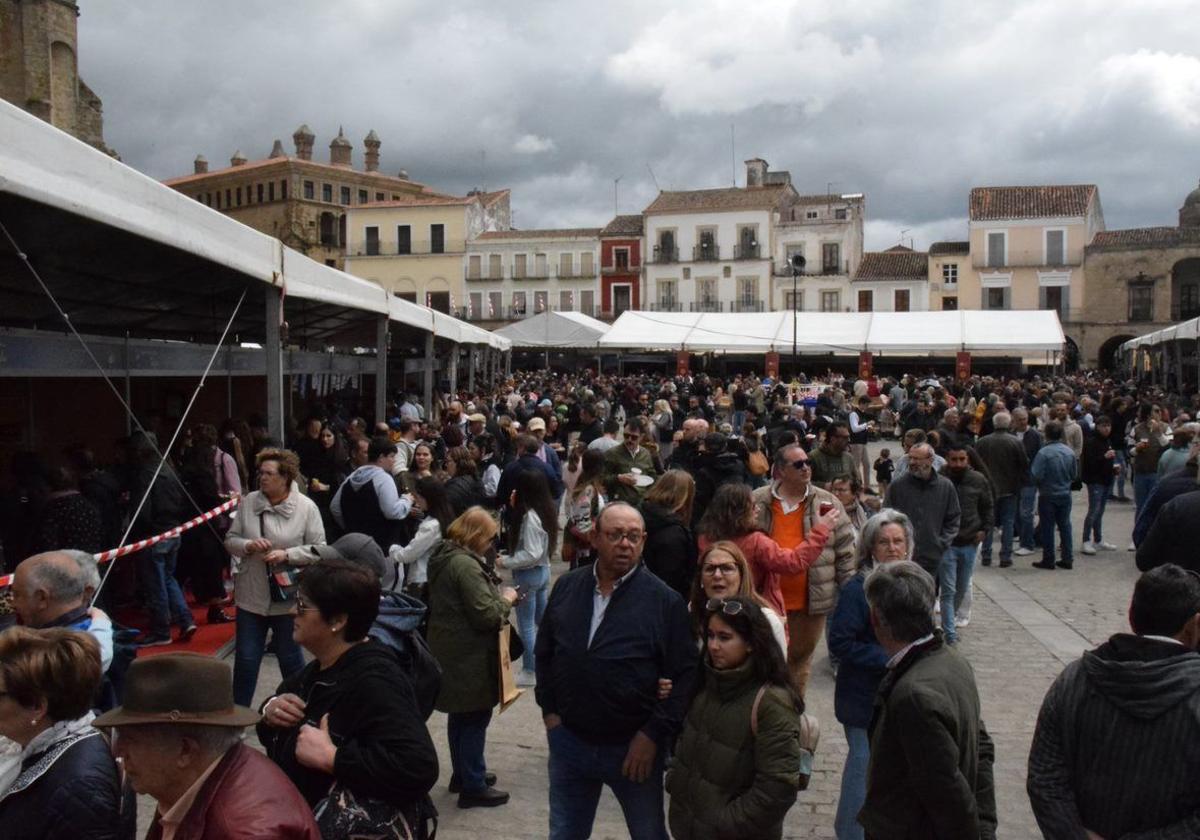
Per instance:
(128,390)
(454,372)
(428,383)
(274,359)
(471,370)
(381,367)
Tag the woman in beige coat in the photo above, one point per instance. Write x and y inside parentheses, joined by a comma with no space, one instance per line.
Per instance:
(270,533)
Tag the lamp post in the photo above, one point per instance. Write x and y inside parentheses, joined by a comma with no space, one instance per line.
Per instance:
(797,262)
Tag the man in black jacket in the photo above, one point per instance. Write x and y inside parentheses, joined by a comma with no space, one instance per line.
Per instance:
(1114,751)
(1174,536)
(610,631)
(1008,466)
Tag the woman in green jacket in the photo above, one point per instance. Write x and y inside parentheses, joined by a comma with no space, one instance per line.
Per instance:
(466,611)
(736,768)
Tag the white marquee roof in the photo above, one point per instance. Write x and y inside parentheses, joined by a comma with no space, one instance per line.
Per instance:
(911,333)
(1186,331)
(555,329)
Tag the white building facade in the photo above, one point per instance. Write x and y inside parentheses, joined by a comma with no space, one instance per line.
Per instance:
(513,274)
(827,230)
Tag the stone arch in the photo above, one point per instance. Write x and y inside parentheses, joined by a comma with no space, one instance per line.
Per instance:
(1070,356)
(64,86)
(1185,289)
(1107,355)
(404,285)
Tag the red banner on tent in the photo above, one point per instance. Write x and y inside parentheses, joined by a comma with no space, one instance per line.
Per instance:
(772,365)
(865,361)
(683,360)
(962,365)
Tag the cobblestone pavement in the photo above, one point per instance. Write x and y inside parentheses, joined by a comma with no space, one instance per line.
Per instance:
(1026,624)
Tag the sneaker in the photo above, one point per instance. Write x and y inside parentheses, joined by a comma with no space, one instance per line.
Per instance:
(962,620)
(1103,546)
(148,640)
(1023,551)
(1132,547)
(489,779)
(526,679)
(186,634)
(489,797)
(1088,548)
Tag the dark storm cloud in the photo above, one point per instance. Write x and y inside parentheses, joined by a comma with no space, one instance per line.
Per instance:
(910,103)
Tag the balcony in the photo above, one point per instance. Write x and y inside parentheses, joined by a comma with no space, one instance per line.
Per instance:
(530,273)
(424,248)
(745,305)
(577,273)
(706,252)
(666,306)
(665,256)
(707,306)
(620,269)
(480,278)
(747,251)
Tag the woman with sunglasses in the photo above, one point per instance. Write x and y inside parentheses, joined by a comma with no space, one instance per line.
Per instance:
(736,765)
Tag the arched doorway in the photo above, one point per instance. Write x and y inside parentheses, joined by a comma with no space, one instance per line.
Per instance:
(1108,352)
(1185,289)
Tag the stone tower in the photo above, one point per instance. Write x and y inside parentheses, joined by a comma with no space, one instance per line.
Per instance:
(340,149)
(371,158)
(39,67)
(1189,213)
(303,138)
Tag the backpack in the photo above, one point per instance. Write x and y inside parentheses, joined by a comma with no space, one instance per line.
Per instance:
(398,627)
(810,736)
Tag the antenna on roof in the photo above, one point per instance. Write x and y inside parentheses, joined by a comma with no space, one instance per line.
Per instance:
(616,181)
(483,168)
(901,242)
(652,178)
(732,155)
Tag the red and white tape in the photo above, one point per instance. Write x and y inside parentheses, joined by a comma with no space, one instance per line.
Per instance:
(114,553)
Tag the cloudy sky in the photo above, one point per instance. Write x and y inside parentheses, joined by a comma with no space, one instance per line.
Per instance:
(911,103)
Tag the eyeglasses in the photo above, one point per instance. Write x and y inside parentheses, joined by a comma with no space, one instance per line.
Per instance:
(799,464)
(303,606)
(724,607)
(725,569)
(615,537)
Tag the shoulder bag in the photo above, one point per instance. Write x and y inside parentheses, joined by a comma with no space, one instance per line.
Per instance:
(810,736)
(282,579)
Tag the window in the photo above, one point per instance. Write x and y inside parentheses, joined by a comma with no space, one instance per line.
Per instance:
(333,264)
(585,264)
(747,293)
(831,301)
(239,196)
(793,301)
(668,295)
(495,269)
(539,265)
(362,196)
(566,264)
(866,300)
(372,243)
(665,251)
(1189,301)
(707,249)
(997,248)
(474,266)
(950,304)
(810,214)
(996,298)
(841,214)
(1141,302)
(403,239)
(218,199)
(379,196)
(208,199)
(310,190)
(475,305)
(793,250)
(437,239)
(518,304)
(519,272)
(831,258)
(706,294)
(566,301)
(540,301)
(228,198)
(1056,298)
(747,243)
(900,300)
(1056,247)
(587,302)
(411,297)
(495,304)
(283,190)
(326,193)
(621,258)
(345,195)
(950,274)
(271,191)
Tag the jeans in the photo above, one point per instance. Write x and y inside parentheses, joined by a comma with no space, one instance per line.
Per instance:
(1029,536)
(1122,459)
(954,579)
(1143,483)
(1055,511)
(535,584)
(164,598)
(1006,520)
(854,785)
(251,643)
(466,733)
(1097,500)
(579,770)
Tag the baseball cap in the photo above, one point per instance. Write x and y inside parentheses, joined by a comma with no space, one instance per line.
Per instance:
(476,418)
(546,403)
(536,424)
(357,548)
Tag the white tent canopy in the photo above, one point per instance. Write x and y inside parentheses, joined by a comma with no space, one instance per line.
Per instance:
(42,164)
(555,329)
(1186,331)
(898,333)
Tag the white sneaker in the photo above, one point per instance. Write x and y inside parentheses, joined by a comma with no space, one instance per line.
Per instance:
(1103,546)
(1023,552)
(1132,547)
(526,679)
(1088,548)
(962,620)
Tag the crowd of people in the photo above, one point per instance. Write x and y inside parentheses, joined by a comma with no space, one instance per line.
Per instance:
(712,531)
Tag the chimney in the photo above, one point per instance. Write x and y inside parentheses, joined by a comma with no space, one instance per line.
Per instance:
(303,138)
(756,172)
(340,149)
(402,174)
(200,165)
(277,150)
(238,159)
(371,158)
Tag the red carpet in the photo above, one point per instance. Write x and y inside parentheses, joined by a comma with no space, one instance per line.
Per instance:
(208,640)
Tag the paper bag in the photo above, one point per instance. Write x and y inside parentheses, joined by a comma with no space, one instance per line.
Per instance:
(508,685)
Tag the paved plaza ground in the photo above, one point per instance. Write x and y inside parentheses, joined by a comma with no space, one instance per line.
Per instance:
(1026,624)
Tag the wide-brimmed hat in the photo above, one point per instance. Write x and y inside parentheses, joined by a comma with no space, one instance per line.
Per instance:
(178,688)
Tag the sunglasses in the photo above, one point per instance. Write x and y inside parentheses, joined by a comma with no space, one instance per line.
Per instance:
(724,607)
(801,464)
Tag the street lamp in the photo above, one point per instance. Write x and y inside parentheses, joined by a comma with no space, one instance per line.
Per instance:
(797,262)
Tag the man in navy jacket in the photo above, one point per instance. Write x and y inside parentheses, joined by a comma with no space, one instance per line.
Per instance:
(610,631)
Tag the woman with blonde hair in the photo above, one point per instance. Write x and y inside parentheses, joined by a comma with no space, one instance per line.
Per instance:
(670,550)
(725,573)
(467,608)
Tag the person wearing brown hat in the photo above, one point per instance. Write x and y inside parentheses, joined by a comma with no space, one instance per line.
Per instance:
(179,736)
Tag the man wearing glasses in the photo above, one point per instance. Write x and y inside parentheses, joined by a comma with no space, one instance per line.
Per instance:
(787,510)
(831,459)
(624,466)
(610,631)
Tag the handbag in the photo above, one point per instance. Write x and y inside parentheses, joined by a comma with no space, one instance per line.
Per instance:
(759,465)
(341,814)
(282,580)
(810,736)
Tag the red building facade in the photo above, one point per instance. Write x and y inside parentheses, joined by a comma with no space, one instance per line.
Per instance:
(621,265)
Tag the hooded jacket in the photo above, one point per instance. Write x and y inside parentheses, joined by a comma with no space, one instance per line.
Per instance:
(670,550)
(712,472)
(1115,746)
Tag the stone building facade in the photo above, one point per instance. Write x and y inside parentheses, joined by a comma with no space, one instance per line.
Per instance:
(39,67)
(1139,280)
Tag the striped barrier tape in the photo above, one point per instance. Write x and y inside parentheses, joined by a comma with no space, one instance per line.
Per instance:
(114,553)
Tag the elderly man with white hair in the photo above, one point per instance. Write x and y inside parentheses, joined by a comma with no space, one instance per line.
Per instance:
(931,502)
(1007,464)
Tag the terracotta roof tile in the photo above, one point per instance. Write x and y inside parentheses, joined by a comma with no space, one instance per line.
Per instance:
(898,263)
(624,226)
(561,233)
(283,163)
(997,203)
(938,249)
(729,198)
(1153,237)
